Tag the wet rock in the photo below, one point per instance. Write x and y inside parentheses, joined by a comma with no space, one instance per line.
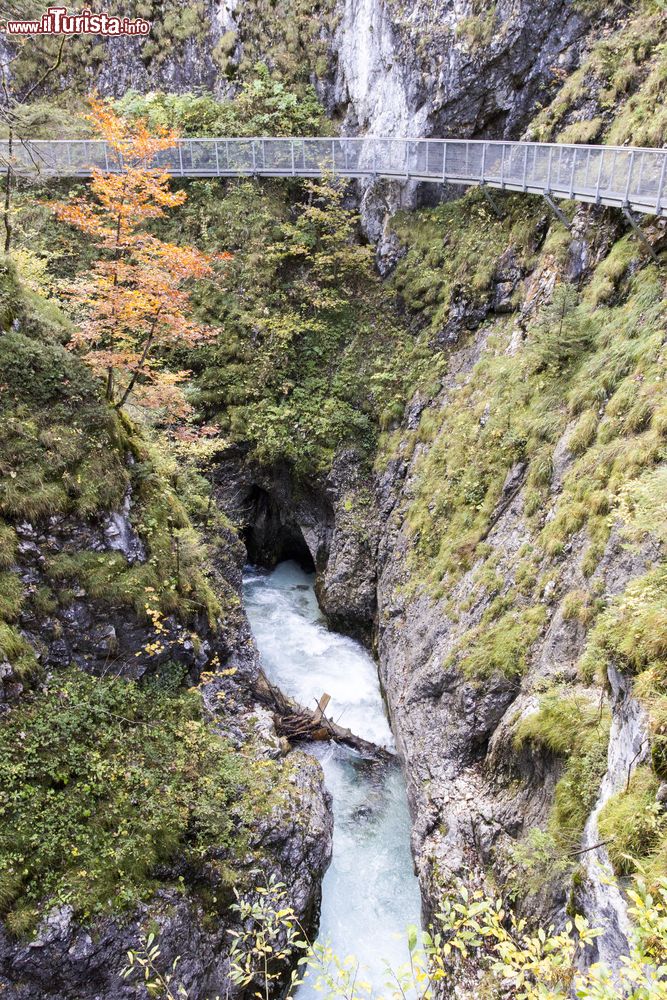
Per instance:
(119,534)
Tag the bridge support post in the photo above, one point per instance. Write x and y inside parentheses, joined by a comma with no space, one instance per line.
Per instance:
(492,202)
(556,210)
(633,222)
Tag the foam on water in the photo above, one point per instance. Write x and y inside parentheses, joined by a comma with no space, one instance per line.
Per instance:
(370,893)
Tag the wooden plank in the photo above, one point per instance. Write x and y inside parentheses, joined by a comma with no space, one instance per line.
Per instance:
(321,707)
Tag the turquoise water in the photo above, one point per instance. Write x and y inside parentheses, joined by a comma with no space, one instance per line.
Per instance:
(370,893)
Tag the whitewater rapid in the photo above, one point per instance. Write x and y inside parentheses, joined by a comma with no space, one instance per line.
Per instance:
(370,893)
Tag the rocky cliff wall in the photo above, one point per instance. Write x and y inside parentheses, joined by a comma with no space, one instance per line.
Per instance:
(382,67)
(449,68)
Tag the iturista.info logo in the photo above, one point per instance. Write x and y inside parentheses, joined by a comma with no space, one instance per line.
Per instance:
(58,21)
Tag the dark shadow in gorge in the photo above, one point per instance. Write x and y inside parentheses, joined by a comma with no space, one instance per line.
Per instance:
(271,537)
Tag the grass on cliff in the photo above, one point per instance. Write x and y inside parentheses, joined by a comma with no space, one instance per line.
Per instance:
(454,251)
(625,72)
(635,826)
(64,453)
(594,366)
(501,643)
(573,728)
(590,363)
(61,448)
(631,632)
(590,374)
(119,788)
(174,577)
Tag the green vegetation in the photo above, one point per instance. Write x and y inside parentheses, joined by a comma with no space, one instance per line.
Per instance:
(453,251)
(310,354)
(479,29)
(586,131)
(635,827)
(473,938)
(263,107)
(513,408)
(631,633)
(286,34)
(173,23)
(591,364)
(534,863)
(625,71)
(60,448)
(112,779)
(572,727)
(501,647)
(633,629)
(305,361)
(63,451)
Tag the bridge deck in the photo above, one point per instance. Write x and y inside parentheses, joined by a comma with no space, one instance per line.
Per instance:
(625,177)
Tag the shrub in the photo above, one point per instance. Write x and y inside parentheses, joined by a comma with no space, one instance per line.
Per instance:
(561,334)
(112,779)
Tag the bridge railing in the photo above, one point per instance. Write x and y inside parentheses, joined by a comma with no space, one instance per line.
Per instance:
(621,176)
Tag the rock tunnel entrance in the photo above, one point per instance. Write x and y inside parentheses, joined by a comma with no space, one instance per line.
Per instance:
(271,535)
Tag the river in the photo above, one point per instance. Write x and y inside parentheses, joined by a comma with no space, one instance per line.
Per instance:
(369,894)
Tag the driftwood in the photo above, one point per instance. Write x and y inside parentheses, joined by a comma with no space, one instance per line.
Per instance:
(299,724)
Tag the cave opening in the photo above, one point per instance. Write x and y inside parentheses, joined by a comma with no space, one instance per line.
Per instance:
(271,535)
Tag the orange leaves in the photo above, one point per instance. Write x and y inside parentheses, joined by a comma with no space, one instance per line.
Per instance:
(132,139)
(135,303)
(123,202)
(189,435)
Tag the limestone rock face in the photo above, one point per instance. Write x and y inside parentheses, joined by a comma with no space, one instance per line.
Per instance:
(427,68)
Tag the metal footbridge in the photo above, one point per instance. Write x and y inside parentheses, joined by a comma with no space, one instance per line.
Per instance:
(630,178)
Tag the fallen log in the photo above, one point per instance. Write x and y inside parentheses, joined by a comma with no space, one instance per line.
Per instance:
(299,724)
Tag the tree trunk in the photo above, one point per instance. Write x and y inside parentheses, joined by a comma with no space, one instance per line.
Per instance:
(6,217)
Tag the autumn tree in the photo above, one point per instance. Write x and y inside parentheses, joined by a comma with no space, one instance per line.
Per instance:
(135,300)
